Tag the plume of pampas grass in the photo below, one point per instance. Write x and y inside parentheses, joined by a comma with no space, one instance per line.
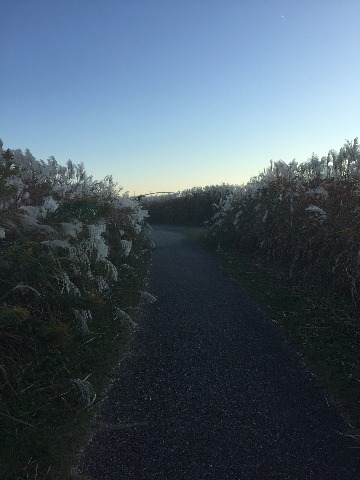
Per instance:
(148,297)
(125,318)
(86,391)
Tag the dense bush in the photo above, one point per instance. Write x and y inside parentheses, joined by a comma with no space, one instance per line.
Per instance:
(73,260)
(302,217)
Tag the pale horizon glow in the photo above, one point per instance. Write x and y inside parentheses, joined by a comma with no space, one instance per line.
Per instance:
(166,96)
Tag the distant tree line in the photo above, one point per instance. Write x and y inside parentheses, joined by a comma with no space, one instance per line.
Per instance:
(189,207)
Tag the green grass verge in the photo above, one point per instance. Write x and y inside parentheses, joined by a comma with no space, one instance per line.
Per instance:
(43,433)
(324,333)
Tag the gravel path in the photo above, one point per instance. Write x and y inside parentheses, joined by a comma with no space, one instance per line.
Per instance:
(211,390)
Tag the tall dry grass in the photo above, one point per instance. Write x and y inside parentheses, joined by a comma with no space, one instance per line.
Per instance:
(304,218)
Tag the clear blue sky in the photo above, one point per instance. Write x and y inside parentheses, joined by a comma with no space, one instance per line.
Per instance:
(170,94)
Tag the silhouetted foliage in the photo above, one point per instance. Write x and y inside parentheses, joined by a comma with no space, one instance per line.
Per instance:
(188,207)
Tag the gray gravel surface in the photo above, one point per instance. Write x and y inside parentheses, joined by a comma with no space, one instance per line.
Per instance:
(210,389)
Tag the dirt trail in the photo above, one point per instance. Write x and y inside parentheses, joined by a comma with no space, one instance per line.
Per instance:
(212,391)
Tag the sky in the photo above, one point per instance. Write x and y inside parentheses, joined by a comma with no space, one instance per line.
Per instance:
(166,95)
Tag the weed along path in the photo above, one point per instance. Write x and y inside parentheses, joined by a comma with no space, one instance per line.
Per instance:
(210,390)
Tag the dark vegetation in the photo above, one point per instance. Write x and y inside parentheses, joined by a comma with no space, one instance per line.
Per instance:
(74,257)
(189,207)
(305,220)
